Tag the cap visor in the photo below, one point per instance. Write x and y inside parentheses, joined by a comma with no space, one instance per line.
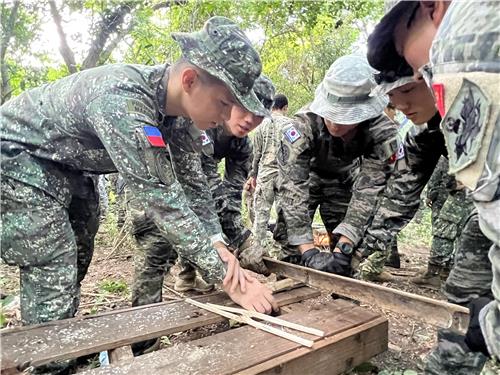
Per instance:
(193,52)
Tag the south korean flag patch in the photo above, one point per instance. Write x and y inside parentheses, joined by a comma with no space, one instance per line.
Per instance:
(292,134)
(205,139)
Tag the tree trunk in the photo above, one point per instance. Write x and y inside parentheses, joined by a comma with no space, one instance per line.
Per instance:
(66,52)
(7,32)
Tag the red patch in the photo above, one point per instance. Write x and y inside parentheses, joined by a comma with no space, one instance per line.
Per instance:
(439,95)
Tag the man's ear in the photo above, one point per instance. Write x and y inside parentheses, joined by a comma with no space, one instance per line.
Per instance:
(188,79)
(435,10)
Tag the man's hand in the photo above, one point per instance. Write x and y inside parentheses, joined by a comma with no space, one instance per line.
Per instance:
(258,297)
(250,185)
(235,275)
(337,263)
(250,255)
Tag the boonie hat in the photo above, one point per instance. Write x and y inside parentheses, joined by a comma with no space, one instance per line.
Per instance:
(225,52)
(343,96)
(264,89)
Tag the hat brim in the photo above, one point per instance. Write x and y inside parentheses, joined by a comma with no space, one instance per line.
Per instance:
(386,87)
(349,113)
(194,53)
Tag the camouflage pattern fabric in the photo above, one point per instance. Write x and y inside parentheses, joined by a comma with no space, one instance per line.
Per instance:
(266,140)
(464,60)
(93,102)
(447,226)
(471,274)
(224,51)
(227,191)
(307,149)
(120,206)
(155,252)
(103,196)
(52,243)
(401,199)
(438,187)
(453,357)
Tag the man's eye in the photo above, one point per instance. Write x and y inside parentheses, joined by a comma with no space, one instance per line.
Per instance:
(224,104)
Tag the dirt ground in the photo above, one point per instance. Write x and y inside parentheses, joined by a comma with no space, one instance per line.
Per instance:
(107,286)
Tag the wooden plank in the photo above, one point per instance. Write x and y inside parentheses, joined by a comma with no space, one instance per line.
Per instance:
(354,333)
(438,313)
(121,354)
(71,338)
(334,355)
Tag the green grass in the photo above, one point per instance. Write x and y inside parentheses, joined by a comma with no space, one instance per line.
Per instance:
(419,231)
(114,286)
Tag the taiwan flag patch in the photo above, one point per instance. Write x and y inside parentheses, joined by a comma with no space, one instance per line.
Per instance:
(154,136)
(292,134)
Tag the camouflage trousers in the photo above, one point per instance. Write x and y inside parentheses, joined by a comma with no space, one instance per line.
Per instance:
(264,197)
(471,275)
(228,206)
(447,225)
(102,188)
(154,255)
(52,242)
(331,196)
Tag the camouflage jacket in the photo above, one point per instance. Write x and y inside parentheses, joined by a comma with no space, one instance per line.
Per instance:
(186,143)
(307,147)
(266,140)
(400,201)
(237,155)
(103,120)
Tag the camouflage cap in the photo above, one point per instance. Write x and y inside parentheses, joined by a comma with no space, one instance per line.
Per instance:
(344,94)
(264,89)
(225,52)
(382,54)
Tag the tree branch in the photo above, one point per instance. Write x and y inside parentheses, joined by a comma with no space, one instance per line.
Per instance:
(108,25)
(104,56)
(66,52)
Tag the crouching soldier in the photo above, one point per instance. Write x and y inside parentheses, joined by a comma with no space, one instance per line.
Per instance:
(105,120)
(336,154)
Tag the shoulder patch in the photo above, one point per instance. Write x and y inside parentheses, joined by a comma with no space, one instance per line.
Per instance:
(464,125)
(292,134)
(154,136)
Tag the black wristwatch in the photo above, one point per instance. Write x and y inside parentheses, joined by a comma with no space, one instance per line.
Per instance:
(345,247)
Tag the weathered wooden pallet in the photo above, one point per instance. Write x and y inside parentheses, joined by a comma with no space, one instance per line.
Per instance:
(353,336)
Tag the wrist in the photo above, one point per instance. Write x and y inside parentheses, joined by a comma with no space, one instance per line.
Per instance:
(304,247)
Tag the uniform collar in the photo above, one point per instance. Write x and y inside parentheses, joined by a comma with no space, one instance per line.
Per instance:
(161,95)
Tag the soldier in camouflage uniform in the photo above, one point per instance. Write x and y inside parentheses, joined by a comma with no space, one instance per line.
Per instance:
(422,149)
(465,64)
(264,173)
(450,208)
(231,143)
(103,120)
(336,154)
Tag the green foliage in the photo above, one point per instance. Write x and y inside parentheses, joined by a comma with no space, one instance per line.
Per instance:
(419,232)
(297,40)
(114,286)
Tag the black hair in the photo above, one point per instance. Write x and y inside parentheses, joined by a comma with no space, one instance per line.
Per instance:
(280,101)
